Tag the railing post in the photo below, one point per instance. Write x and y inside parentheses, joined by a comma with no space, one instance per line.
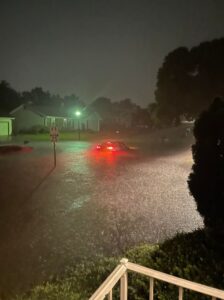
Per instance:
(151,288)
(121,273)
(181,291)
(124,287)
(110,295)
(124,282)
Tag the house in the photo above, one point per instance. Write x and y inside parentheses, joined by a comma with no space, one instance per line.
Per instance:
(28,116)
(5,124)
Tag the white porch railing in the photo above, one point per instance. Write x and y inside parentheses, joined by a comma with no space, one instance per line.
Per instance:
(120,273)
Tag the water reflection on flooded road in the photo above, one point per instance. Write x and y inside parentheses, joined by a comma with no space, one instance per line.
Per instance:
(91,204)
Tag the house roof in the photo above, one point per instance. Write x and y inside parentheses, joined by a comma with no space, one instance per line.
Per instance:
(52,111)
(88,111)
(56,111)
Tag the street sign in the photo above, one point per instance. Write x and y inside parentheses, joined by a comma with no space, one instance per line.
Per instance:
(54,134)
(54,137)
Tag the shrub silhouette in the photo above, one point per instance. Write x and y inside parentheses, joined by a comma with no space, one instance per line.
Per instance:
(206,181)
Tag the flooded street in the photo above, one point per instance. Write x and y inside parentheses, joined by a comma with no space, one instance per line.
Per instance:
(90,204)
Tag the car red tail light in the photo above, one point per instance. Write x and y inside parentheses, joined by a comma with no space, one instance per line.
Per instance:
(110,148)
(98,147)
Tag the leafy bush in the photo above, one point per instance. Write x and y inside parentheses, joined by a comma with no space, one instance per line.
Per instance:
(206,182)
(191,256)
(77,282)
(35,130)
(52,291)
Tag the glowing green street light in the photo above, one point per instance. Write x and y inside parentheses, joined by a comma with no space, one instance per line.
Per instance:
(78,114)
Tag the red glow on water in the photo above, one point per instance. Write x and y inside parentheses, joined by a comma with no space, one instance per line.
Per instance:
(11,149)
(109,155)
(27,149)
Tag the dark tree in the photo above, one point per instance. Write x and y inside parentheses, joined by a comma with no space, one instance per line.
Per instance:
(115,115)
(189,79)
(73,101)
(37,96)
(206,182)
(9,98)
(141,118)
(125,110)
(173,82)
(127,105)
(103,106)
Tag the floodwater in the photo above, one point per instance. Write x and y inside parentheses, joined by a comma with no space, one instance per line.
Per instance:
(90,204)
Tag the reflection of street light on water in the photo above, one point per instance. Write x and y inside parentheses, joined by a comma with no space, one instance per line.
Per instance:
(78,114)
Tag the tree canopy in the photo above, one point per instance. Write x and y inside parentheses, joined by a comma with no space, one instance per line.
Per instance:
(9,98)
(189,79)
(123,113)
(37,96)
(120,113)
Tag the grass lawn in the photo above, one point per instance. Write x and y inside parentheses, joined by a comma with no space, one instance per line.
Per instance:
(155,140)
(63,136)
(84,136)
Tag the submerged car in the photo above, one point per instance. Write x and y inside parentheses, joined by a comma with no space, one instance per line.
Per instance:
(113,146)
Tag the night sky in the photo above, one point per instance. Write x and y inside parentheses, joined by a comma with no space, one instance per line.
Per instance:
(101,47)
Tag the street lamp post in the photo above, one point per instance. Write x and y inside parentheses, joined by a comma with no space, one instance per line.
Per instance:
(78,114)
